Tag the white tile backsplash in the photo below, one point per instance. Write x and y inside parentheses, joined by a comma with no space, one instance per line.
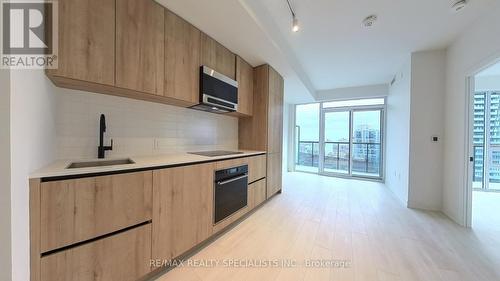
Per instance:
(136,127)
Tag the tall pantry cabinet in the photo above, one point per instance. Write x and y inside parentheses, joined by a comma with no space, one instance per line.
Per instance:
(264,130)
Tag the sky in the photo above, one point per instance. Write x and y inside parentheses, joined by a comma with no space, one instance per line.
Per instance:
(336,123)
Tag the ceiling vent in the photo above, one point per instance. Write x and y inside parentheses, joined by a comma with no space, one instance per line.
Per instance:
(458,5)
(369,21)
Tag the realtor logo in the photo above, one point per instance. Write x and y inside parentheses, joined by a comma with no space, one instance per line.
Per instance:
(29,34)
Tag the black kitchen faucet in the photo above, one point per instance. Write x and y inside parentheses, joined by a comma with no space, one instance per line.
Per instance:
(102,128)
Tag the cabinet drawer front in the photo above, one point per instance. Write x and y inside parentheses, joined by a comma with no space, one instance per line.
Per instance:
(273,173)
(256,168)
(121,257)
(224,164)
(256,193)
(77,210)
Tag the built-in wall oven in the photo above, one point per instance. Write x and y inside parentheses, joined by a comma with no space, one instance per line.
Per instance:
(230,191)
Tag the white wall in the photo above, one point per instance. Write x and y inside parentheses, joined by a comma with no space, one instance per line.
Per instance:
(426,120)
(398,134)
(368,91)
(32,146)
(5,225)
(477,46)
(137,127)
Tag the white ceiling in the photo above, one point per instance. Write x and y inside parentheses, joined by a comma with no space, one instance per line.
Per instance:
(332,49)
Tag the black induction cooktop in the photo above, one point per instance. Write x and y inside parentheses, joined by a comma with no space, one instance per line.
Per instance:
(216,153)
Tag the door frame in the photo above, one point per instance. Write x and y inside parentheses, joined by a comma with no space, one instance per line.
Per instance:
(352,110)
(469,135)
(321,165)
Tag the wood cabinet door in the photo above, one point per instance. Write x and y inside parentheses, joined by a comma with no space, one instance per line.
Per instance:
(76,210)
(125,256)
(273,173)
(217,57)
(86,48)
(182,208)
(182,59)
(256,167)
(244,76)
(139,46)
(256,193)
(253,132)
(275,117)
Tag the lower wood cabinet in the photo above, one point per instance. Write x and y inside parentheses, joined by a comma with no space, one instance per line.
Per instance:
(273,173)
(122,257)
(76,210)
(256,167)
(256,193)
(182,208)
(111,227)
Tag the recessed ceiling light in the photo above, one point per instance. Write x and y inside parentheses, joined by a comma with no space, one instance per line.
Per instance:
(458,5)
(369,20)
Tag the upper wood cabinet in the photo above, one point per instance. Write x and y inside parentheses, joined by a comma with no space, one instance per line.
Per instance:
(139,46)
(244,76)
(275,112)
(182,59)
(264,130)
(86,41)
(140,50)
(217,57)
(182,208)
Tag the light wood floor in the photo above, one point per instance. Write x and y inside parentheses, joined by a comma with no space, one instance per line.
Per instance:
(321,218)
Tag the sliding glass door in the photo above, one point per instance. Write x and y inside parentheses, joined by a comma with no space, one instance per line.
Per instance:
(367,143)
(341,138)
(352,142)
(336,142)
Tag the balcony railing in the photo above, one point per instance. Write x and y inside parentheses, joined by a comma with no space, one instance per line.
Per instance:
(366,156)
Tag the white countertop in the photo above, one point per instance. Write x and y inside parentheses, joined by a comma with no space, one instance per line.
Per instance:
(59,168)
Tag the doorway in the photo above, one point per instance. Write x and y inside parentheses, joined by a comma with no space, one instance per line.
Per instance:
(484,146)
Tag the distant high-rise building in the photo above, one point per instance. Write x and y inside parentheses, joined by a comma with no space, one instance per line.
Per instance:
(486,116)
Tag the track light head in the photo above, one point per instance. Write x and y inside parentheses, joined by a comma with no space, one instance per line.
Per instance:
(295,25)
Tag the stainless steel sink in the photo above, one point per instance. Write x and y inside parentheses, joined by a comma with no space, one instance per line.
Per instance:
(100,163)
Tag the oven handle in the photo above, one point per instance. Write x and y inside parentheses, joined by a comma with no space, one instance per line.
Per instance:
(231,180)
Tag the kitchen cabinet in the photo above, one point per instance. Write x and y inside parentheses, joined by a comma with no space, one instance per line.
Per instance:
(264,130)
(140,50)
(140,46)
(182,59)
(77,210)
(275,112)
(122,257)
(274,173)
(244,76)
(256,168)
(110,226)
(182,208)
(217,57)
(86,41)
(256,193)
